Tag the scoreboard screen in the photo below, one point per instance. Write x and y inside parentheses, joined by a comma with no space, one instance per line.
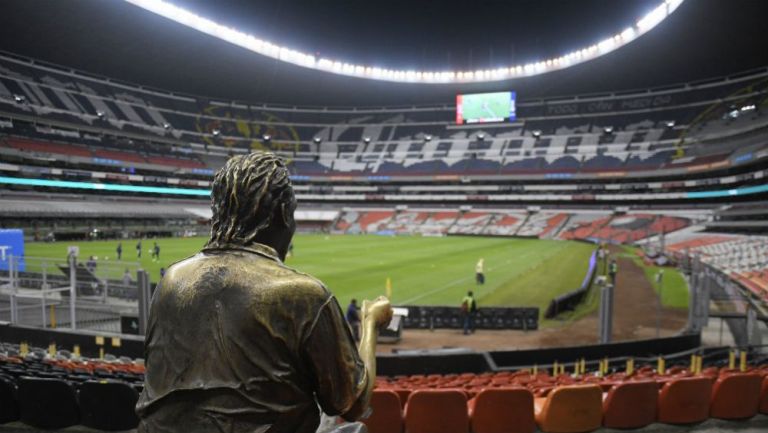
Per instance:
(485,108)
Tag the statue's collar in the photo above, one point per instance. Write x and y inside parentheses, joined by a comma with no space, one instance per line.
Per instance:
(253,247)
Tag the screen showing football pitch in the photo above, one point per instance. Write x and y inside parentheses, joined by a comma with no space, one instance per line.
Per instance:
(485,107)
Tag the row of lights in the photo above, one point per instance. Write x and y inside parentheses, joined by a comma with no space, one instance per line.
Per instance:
(249,42)
(536,133)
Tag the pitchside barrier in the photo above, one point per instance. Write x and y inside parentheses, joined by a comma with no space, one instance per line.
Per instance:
(568,301)
(409,362)
(430,317)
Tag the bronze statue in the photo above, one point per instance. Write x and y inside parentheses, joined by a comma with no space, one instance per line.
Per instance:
(237,341)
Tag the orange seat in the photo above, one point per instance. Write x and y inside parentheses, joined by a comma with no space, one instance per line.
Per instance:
(630,404)
(570,409)
(436,411)
(387,416)
(735,396)
(764,396)
(685,400)
(502,410)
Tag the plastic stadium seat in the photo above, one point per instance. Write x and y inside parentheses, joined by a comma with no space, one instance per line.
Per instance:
(403,394)
(736,396)
(47,403)
(502,410)
(764,396)
(570,409)
(9,407)
(630,404)
(108,405)
(436,411)
(387,416)
(685,400)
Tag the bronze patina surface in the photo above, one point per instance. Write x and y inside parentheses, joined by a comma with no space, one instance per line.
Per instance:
(239,342)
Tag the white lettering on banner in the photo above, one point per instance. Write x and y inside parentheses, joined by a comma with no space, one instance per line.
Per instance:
(3,249)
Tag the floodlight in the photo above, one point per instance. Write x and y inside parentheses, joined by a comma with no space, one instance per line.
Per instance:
(669,123)
(216,132)
(366,140)
(166,126)
(266,48)
(608,130)
(481,137)
(317,140)
(100,114)
(266,137)
(20,99)
(427,137)
(536,133)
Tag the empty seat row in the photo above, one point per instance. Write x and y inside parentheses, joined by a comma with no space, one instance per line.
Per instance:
(634,403)
(55,403)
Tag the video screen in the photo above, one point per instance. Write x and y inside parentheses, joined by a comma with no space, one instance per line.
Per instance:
(485,108)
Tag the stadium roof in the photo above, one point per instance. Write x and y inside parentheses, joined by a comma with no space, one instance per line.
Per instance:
(702,39)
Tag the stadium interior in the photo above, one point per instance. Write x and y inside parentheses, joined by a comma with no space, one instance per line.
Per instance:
(663,173)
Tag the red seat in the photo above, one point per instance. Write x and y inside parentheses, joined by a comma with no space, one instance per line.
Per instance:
(502,410)
(436,411)
(685,400)
(387,416)
(570,409)
(735,396)
(630,404)
(764,396)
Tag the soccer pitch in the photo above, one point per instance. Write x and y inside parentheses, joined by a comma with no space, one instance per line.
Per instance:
(423,270)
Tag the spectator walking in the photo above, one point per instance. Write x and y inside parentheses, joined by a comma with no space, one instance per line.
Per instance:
(468,310)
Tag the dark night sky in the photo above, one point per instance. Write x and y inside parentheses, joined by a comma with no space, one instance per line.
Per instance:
(702,39)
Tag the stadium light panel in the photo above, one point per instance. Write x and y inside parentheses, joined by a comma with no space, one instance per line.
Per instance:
(317,140)
(275,51)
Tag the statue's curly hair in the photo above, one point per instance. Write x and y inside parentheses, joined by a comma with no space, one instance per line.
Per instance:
(246,193)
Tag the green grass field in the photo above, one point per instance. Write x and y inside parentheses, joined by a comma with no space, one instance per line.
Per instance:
(423,270)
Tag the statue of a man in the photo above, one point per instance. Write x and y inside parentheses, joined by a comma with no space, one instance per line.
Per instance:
(239,342)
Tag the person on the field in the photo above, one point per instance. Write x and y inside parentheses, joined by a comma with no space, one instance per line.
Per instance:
(138,249)
(119,250)
(613,269)
(238,342)
(353,318)
(91,264)
(127,279)
(479,275)
(469,310)
(156,252)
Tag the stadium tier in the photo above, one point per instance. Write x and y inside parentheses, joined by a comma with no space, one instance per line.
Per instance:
(679,131)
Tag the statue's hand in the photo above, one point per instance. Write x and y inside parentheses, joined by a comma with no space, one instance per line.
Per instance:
(379,310)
